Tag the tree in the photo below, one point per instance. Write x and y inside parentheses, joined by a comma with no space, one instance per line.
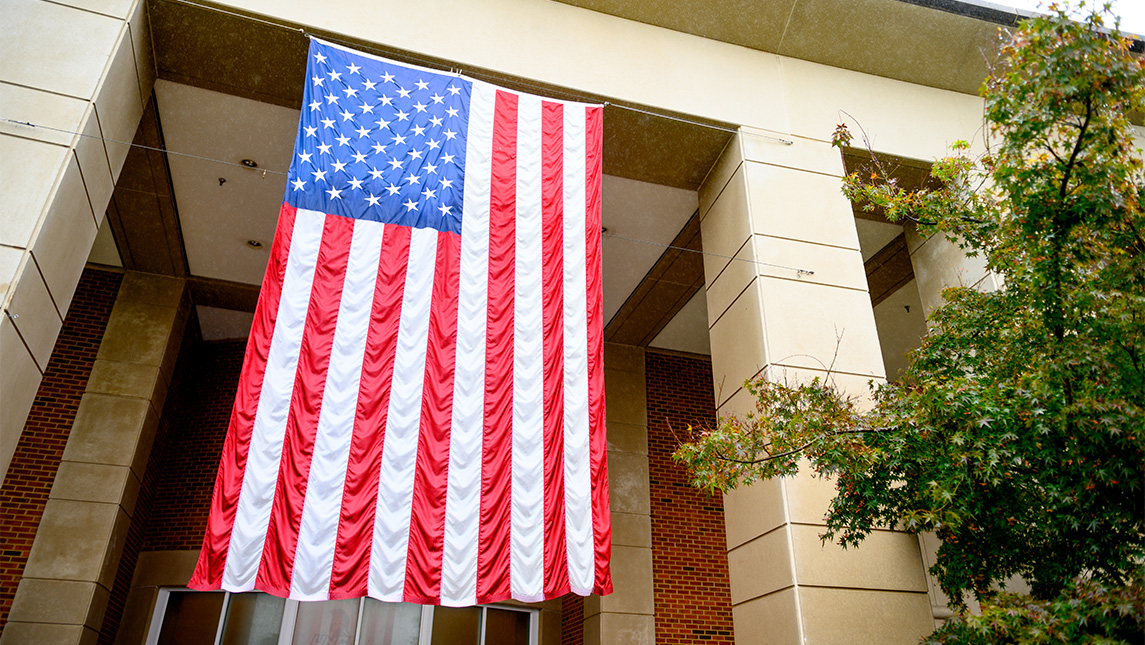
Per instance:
(1018,431)
(1086,612)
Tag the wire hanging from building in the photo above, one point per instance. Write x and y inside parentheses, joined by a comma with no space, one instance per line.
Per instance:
(798,271)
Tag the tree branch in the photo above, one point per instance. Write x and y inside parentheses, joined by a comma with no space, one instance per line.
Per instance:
(787,453)
(1064,190)
(748,462)
(1055,154)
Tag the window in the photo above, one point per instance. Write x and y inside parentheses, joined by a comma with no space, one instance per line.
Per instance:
(221,618)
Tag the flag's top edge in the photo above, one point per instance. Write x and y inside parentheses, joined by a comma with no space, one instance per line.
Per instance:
(430,70)
(358,52)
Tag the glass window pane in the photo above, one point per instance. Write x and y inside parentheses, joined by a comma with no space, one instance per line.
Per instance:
(191,618)
(506,627)
(456,625)
(253,619)
(330,622)
(389,623)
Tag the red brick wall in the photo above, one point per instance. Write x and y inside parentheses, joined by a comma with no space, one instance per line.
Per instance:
(33,469)
(689,555)
(183,495)
(572,620)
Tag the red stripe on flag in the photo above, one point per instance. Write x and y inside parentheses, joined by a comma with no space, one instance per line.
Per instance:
(552,208)
(351,570)
(232,464)
(601,524)
(305,406)
(427,515)
(497,442)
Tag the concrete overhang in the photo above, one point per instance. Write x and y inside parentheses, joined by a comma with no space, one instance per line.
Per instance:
(240,48)
(214,47)
(945,44)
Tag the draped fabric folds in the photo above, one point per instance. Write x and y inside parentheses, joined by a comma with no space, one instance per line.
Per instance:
(420,412)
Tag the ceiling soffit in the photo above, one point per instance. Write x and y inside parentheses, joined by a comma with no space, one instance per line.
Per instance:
(667,287)
(888,270)
(142,214)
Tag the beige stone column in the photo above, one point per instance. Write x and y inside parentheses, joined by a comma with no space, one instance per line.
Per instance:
(75,556)
(939,263)
(65,68)
(625,617)
(793,305)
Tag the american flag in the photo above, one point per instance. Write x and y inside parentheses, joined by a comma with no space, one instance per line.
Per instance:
(420,413)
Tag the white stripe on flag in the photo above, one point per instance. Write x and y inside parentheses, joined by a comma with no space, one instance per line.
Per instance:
(578,480)
(314,556)
(527,546)
(399,453)
(261,475)
(463,492)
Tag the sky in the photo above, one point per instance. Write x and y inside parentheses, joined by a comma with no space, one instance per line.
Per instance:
(1132,12)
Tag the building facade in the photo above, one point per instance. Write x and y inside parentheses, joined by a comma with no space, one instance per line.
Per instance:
(144,143)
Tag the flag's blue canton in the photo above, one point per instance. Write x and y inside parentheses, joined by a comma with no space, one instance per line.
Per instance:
(380,141)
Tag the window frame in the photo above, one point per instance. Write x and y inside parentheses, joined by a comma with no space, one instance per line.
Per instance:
(290,618)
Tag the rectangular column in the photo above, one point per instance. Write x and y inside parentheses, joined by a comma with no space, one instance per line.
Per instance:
(74,558)
(792,304)
(939,263)
(625,617)
(67,69)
